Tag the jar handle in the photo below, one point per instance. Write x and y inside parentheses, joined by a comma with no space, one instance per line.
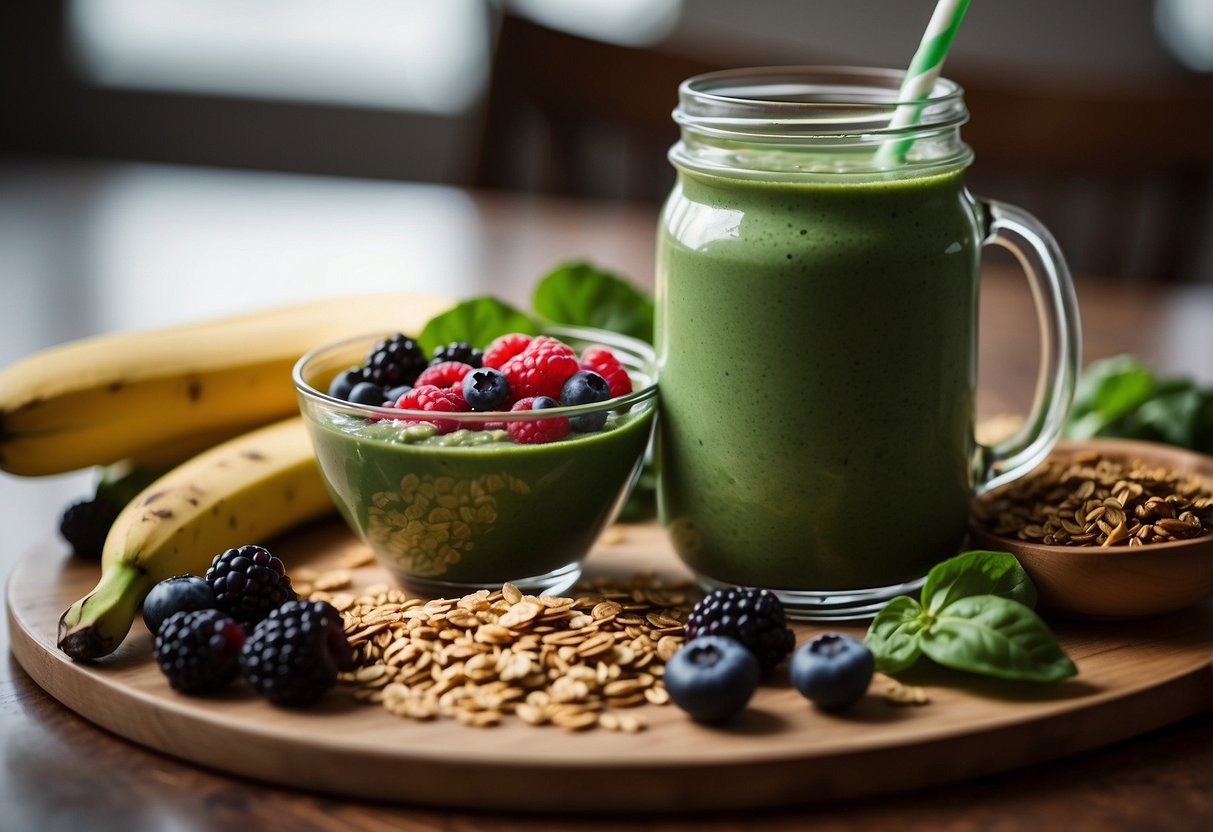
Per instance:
(1060,344)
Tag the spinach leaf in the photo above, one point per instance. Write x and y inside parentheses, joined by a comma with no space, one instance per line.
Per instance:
(477,321)
(1121,397)
(579,294)
(998,637)
(893,636)
(977,573)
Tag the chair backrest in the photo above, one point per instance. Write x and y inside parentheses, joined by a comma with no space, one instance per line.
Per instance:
(1121,173)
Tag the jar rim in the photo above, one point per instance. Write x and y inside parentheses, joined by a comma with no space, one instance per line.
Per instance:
(811,100)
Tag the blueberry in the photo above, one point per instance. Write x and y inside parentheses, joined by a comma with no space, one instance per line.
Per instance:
(712,678)
(485,389)
(340,387)
(367,393)
(585,387)
(543,403)
(392,396)
(833,671)
(183,593)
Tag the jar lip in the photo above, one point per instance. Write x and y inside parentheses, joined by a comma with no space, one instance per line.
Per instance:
(820,100)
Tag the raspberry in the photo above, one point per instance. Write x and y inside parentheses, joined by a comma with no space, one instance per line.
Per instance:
(541,369)
(603,361)
(248,582)
(434,399)
(457,351)
(394,361)
(446,374)
(504,348)
(752,616)
(294,655)
(199,651)
(537,431)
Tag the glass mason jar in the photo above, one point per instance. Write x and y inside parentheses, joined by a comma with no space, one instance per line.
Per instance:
(817,284)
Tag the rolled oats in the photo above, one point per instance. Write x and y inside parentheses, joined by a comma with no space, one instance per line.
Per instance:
(552,660)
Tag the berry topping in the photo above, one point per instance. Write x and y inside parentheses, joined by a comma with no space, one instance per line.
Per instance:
(753,617)
(540,369)
(504,348)
(199,651)
(295,654)
(446,374)
(603,361)
(537,431)
(833,671)
(344,382)
(394,361)
(433,399)
(585,387)
(183,593)
(711,678)
(460,351)
(85,525)
(248,583)
(369,394)
(393,395)
(485,389)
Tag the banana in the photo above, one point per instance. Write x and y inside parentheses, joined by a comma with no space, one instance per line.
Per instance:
(242,491)
(99,400)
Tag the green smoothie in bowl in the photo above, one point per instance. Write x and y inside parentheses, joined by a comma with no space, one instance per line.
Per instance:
(453,499)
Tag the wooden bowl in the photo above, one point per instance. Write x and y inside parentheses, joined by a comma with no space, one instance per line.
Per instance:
(1117,581)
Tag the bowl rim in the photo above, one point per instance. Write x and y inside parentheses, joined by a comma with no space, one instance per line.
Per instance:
(613,340)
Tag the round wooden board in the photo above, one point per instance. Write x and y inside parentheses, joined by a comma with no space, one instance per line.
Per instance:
(1134,677)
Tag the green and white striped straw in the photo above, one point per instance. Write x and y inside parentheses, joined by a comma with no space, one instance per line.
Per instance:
(922,74)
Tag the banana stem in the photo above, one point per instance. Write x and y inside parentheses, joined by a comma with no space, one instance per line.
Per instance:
(95,625)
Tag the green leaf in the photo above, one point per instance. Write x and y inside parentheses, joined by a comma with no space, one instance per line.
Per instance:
(579,294)
(477,321)
(977,573)
(998,637)
(1112,388)
(894,635)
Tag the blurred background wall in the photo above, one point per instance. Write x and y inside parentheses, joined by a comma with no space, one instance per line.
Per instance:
(1097,115)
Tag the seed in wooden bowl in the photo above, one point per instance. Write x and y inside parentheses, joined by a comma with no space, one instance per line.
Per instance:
(1092,500)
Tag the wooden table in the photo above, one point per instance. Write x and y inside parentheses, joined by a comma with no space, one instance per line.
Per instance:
(90,248)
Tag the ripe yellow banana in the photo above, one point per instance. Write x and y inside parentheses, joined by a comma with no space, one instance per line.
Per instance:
(98,400)
(243,491)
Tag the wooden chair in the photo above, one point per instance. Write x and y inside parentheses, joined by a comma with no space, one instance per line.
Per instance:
(1122,174)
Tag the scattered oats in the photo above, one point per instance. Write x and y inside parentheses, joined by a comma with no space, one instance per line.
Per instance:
(903,694)
(613,536)
(548,660)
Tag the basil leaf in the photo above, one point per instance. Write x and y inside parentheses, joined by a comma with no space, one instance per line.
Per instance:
(477,321)
(579,294)
(893,636)
(997,637)
(977,573)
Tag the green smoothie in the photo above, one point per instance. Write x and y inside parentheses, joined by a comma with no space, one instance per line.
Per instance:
(816,344)
(473,507)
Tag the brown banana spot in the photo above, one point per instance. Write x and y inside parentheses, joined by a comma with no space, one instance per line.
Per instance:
(255,456)
(153,497)
(162,513)
(116,386)
(194,390)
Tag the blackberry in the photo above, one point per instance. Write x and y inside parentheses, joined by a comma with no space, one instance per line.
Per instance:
(86,523)
(460,351)
(294,655)
(248,583)
(753,617)
(199,651)
(394,361)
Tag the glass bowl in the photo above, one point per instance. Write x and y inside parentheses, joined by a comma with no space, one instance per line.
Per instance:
(452,504)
